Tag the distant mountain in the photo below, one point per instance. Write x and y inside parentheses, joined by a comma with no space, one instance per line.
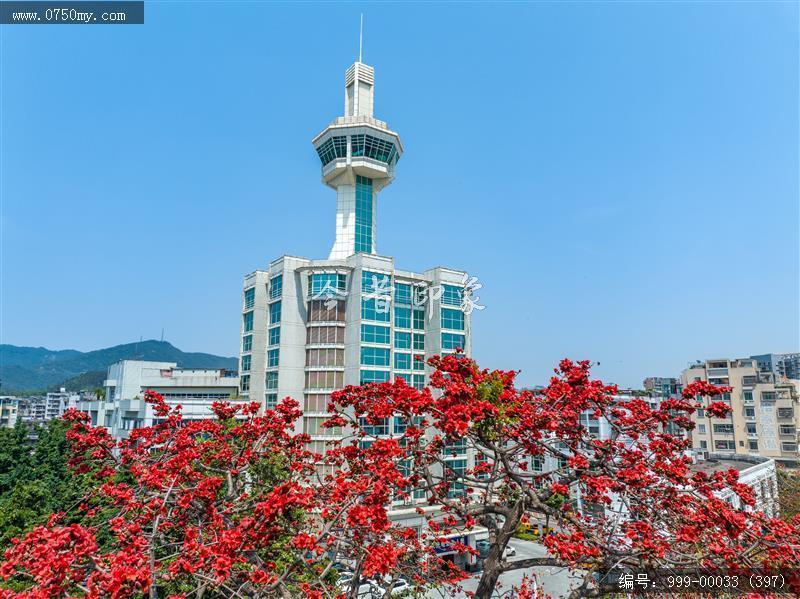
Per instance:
(38,369)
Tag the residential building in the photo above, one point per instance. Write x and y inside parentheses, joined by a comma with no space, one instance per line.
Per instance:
(783,366)
(124,409)
(40,409)
(764,411)
(663,387)
(9,408)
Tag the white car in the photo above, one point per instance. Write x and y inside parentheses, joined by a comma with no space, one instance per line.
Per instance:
(509,551)
(400,586)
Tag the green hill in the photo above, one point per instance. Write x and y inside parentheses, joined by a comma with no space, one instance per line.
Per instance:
(28,369)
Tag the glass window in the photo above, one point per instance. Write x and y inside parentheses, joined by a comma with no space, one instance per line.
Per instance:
(419,341)
(452,341)
(272,358)
(452,319)
(376,282)
(419,381)
(326,285)
(249,298)
(419,362)
(789,446)
(275,313)
(326,152)
(750,427)
(402,340)
(419,320)
(247,343)
(769,396)
(275,336)
(317,402)
(402,361)
(244,383)
(276,287)
(357,145)
(381,427)
(325,357)
(451,295)
(375,309)
(324,379)
(454,471)
(326,310)
(748,396)
(402,294)
(724,429)
(402,317)
(312,425)
(375,356)
(374,333)
(750,412)
(271,381)
(248,321)
(752,445)
(374,376)
(364,208)
(245,363)
(378,149)
(325,334)
(271,400)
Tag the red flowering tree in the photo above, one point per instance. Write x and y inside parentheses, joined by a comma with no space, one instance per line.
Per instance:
(238,507)
(629,501)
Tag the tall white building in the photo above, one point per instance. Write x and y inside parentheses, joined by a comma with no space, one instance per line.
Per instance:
(124,409)
(310,327)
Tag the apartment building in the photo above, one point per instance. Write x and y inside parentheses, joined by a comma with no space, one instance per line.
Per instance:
(783,366)
(9,407)
(764,416)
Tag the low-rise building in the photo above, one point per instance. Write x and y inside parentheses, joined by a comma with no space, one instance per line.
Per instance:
(756,472)
(764,411)
(124,408)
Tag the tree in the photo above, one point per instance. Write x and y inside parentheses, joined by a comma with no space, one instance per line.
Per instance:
(239,506)
(35,480)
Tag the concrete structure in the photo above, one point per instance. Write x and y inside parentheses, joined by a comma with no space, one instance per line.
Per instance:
(124,409)
(9,409)
(310,327)
(764,416)
(756,472)
(783,366)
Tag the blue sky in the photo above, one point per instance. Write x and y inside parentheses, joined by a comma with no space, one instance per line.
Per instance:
(622,178)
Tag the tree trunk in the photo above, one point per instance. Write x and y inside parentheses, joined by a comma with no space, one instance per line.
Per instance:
(491,565)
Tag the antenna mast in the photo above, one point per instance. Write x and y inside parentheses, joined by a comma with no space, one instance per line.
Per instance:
(361,38)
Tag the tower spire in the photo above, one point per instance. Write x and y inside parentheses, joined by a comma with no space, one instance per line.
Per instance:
(361,39)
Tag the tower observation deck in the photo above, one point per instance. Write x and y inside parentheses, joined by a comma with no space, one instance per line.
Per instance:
(359,156)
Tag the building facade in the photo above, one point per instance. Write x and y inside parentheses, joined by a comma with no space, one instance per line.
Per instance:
(756,472)
(764,411)
(310,327)
(124,409)
(783,366)
(9,409)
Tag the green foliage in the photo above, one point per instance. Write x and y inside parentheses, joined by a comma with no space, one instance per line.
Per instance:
(35,479)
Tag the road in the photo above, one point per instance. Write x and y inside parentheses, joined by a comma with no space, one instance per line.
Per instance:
(553,581)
